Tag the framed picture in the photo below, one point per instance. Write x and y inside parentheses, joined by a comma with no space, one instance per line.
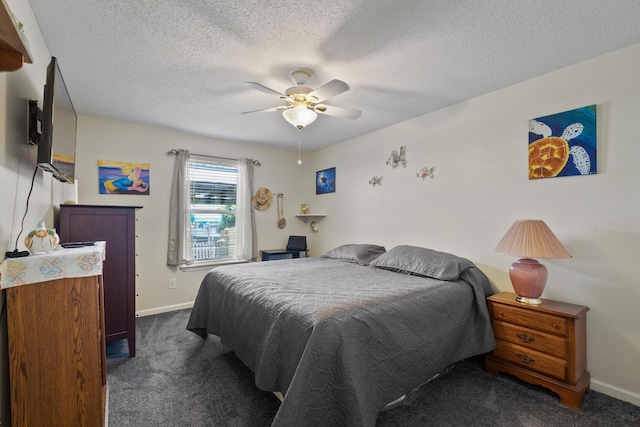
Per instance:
(116,177)
(563,144)
(326,181)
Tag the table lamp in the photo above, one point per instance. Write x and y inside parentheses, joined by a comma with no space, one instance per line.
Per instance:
(528,239)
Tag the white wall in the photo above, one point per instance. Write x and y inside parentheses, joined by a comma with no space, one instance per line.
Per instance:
(481,187)
(102,139)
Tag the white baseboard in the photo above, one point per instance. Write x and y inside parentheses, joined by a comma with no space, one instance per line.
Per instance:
(617,392)
(165,309)
(106,407)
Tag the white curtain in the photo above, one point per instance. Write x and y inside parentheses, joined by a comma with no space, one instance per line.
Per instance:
(246,246)
(179,251)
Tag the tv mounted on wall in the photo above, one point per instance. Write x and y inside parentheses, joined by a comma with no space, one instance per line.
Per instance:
(57,137)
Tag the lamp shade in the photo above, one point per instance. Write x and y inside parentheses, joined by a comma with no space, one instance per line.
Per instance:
(529,239)
(299,116)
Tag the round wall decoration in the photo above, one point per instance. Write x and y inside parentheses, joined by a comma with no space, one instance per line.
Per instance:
(262,200)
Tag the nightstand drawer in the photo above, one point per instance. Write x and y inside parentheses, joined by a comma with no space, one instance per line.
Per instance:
(525,317)
(529,338)
(531,359)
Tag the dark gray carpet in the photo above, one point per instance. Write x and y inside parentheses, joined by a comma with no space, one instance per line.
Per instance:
(179,379)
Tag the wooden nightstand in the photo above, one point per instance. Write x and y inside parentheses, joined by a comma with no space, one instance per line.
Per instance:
(542,344)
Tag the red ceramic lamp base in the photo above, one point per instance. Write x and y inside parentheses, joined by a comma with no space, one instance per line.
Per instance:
(528,278)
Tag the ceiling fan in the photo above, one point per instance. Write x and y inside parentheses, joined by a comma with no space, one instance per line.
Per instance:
(303,102)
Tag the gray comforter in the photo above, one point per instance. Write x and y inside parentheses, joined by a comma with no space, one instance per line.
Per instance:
(338,339)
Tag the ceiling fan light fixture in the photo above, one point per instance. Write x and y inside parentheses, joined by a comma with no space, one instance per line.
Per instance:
(299,116)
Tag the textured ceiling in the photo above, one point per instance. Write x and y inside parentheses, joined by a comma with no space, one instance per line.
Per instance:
(181,64)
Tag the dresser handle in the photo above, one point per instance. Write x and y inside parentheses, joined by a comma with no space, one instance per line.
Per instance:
(525,358)
(554,326)
(500,313)
(524,337)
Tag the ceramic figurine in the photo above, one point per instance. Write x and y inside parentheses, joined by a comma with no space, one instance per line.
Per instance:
(41,240)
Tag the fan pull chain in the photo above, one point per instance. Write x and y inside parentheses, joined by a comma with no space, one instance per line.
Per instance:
(299,161)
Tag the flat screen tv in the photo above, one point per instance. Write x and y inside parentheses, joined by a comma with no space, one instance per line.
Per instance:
(57,142)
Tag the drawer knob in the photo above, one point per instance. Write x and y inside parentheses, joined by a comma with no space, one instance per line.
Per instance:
(554,326)
(525,357)
(500,313)
(524,337)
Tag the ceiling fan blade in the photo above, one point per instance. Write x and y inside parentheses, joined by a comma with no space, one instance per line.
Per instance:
(330,110)
(267,110)
(263,88)
(328,90)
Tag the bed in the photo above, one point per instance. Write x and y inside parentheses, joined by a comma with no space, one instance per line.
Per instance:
(342,335)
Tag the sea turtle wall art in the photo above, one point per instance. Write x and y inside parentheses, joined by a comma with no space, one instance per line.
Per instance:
(563,144)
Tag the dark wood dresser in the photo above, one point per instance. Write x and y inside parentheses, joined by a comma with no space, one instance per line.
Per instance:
(542,344)
(115,225)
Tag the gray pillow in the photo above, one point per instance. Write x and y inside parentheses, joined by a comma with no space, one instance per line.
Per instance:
(362,254)
(422,262)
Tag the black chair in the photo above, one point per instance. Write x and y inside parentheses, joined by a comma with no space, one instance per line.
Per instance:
(297,243)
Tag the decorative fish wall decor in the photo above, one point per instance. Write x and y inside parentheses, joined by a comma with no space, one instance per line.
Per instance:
(426,172)
(376,180)
(396,159)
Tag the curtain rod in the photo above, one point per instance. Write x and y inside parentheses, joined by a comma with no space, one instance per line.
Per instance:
(174,151)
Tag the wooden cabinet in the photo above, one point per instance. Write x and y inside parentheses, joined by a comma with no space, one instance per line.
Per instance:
(542,344)
(116,225)
(57,353)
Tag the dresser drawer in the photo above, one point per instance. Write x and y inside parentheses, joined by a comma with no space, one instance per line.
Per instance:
(531,359)
(534,320)
(530,338)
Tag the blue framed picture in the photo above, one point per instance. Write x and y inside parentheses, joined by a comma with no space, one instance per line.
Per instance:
(563,144)
(326,181)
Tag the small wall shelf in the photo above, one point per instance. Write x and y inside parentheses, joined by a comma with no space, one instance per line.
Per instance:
(314,220)
(314,217)
(14,47)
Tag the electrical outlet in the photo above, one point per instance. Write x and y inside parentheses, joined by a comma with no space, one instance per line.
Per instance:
(172,283)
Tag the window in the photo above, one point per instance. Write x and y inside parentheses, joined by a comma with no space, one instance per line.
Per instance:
(210,214)
(213,190)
